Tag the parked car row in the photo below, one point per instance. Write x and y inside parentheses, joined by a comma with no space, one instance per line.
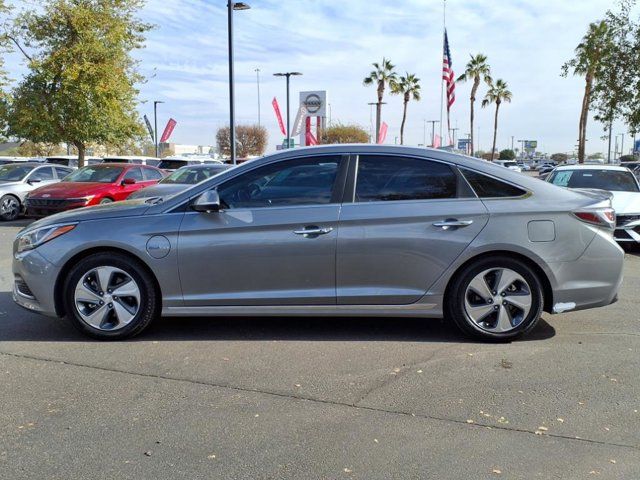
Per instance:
(38,190)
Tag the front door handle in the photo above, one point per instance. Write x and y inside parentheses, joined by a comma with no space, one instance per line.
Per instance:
(313,231)
(451,223)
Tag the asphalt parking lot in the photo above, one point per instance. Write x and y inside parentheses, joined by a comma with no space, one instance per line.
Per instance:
(308,398)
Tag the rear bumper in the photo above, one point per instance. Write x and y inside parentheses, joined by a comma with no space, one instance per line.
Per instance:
(591,281)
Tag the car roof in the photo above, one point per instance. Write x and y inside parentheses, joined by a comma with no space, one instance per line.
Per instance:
(28,164)
(593,166)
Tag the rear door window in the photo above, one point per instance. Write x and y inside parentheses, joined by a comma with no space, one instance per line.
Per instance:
(395,178)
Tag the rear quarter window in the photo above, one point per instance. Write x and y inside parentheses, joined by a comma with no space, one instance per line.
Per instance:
(490,187)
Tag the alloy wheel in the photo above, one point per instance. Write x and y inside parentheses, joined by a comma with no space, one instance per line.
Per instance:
(10,207)
(498,300)
(107,298)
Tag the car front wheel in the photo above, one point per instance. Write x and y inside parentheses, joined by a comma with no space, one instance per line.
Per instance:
(497,298)
(9,207)
(110,296)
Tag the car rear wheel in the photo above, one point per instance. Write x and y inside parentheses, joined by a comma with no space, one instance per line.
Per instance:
(9,207)
(497,298)
(110,296)
(105,200)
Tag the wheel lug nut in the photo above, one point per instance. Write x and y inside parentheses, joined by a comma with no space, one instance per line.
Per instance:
(496,307)
(503,294)
(111,305)
(490,300)
(494,293)
(504,303)
(101,293)
(101,302)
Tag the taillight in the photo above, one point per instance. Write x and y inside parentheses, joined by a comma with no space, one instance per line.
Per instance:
(602,217)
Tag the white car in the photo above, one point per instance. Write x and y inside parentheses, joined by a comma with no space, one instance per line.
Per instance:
(18,179)
(622,184)
(510,164)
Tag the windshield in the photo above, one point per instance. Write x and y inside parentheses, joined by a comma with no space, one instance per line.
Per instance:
(613,180)
(14,173)
(101,174)
(192,175)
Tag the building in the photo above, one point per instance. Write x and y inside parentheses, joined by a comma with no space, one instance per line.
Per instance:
(178,149)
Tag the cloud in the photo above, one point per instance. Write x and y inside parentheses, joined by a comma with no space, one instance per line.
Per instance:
(333,44)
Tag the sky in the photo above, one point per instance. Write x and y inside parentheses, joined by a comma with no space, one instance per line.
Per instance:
(334,43)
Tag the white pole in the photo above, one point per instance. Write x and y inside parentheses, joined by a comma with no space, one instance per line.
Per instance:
(444,23)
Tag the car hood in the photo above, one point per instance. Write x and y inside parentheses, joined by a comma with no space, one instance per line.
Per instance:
(131,208)
(625,203)
(68,189)
(5,184)
(159,190)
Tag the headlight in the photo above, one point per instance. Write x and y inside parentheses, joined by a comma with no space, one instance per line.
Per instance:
(34,238)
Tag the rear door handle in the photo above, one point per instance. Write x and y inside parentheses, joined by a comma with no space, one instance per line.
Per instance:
(313,231)
(451,223)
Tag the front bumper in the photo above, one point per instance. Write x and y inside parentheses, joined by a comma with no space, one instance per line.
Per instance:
(34,281)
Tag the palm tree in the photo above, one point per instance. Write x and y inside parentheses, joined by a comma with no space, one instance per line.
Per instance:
(588,61)
(498,92)
(382,75)
(408,86)
(477,69)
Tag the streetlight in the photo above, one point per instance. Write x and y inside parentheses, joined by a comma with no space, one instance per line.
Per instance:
(155,123)
(287,75)
(231,6)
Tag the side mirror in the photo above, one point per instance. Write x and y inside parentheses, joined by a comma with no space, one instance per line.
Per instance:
(208,201)
(128,181)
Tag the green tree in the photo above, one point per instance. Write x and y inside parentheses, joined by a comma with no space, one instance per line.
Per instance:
(81,82)
(498,92)
(382,76)
(507,154)
(339,133)
(477,70)
(409,87)
(590,61)
(559,157)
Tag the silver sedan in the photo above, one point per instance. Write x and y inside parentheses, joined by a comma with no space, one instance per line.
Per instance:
(18,179)
(358,230)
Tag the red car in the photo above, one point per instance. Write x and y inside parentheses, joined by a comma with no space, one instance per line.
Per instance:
(91,185)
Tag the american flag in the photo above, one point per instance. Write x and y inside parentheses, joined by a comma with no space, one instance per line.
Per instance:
(448,76)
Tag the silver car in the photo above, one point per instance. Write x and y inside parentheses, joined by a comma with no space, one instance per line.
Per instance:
(359,230)
(18,179)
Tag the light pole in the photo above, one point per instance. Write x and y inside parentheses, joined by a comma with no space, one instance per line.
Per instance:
(453,136)
(258,83)
(155,124)
(622,145)
(231,6)
(287,75)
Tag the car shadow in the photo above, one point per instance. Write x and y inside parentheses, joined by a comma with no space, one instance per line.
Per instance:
(19,325)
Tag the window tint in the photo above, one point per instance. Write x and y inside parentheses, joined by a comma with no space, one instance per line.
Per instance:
(135,173)
(383,178)
(489,187)
(293,182)
(45,173)
(151,174)
(171,164)
(63,172)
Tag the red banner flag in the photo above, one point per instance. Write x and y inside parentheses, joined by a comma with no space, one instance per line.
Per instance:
(276,108)
(383,132)
(168,130)
(437,141)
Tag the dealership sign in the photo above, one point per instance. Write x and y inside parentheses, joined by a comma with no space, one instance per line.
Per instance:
(315,103)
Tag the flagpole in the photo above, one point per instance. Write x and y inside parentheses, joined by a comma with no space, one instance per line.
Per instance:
(444,23)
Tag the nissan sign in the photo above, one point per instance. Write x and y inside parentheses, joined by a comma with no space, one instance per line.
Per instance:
(314,102)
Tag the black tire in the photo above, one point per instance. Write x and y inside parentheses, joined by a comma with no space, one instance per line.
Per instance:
(105,200)
(150,301)
(14,212)
(454,307)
